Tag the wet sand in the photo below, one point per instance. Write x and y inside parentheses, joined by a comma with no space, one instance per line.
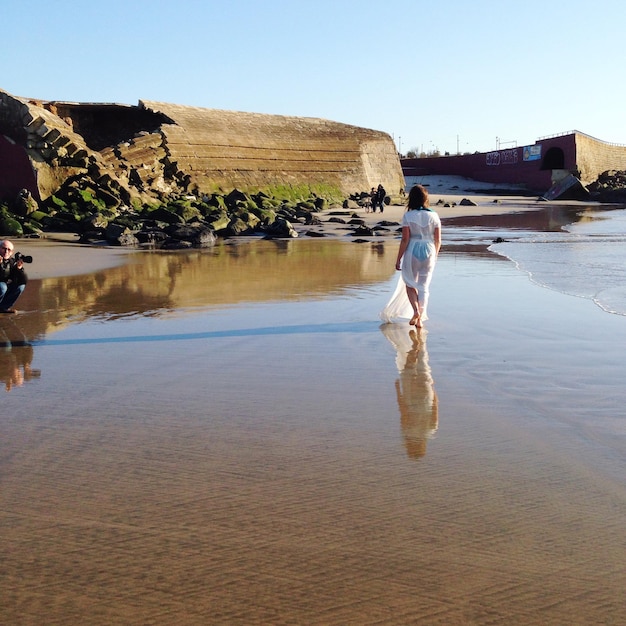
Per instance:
(292,461)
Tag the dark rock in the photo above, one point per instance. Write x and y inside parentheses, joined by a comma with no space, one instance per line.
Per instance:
(176,244)
(234,197)
(237,227)
(280,229)
(165,215)
(25,204)
(363,231)
(93,222)
(113,232)
(219,222)
(199,235)
(609,187)
(92,236)
(613,195)
(313,221)
(125,239)
(151,237)
(11,227)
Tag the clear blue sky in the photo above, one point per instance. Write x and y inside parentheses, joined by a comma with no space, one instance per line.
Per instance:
(433,74)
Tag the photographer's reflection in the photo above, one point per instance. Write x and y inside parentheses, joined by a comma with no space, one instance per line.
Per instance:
(415,389)
(16,356)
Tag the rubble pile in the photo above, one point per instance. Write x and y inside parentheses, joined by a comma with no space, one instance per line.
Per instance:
(97,215)
(609,187)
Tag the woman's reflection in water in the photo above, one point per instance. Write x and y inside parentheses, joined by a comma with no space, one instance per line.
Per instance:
(415,389)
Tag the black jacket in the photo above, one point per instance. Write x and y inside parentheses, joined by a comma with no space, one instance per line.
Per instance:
(10,274)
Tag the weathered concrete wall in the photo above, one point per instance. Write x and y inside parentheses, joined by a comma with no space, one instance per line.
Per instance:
(234,149)
(158,148)
(594,157)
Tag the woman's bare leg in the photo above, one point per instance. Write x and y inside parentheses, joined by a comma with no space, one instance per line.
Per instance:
(411,293)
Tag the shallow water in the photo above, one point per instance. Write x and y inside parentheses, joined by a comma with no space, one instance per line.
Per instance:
(232,437)
(584,258)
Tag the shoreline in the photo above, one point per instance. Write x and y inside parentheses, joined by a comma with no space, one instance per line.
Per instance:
(67,257)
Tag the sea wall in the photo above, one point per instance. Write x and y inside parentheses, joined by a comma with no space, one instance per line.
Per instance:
(155,149)
(595,156)
(497,167)
(536,166)
(239,149)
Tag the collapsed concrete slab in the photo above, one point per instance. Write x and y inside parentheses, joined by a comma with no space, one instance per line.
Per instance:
(568,188)
(143,153)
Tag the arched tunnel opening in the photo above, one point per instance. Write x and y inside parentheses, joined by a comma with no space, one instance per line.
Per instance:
(554,159)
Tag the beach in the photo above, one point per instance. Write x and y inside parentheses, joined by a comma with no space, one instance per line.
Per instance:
(233,437)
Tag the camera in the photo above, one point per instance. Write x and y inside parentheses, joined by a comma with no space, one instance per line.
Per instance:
(25,258)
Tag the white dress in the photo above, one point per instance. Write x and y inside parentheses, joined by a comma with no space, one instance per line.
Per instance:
(418,263)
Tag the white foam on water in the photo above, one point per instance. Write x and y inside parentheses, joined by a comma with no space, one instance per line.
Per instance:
(586,259)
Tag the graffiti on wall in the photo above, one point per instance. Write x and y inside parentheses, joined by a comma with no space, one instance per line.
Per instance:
(502,157)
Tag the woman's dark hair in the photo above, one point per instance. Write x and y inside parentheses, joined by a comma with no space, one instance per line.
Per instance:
(418,198)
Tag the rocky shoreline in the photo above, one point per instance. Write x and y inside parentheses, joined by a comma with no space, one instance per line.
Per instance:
(183,221)
(609,187)
(95,216)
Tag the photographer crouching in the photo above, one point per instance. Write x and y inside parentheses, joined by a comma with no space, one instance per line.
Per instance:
(13,278)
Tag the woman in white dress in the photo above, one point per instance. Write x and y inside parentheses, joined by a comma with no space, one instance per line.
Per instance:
(421,241)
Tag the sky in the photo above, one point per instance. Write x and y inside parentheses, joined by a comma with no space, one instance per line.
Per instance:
(446,75)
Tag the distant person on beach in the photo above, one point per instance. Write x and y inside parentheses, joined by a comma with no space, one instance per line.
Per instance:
(372,197)
(13,278)
(373,200)
(417,255)
(379,199)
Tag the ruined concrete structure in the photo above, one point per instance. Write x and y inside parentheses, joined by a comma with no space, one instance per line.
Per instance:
(537,166)
(153,149)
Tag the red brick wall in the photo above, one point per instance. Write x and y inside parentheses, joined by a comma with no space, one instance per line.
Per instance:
(580,154)
(15,171)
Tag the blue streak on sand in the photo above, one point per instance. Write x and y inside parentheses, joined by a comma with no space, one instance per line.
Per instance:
(345,327)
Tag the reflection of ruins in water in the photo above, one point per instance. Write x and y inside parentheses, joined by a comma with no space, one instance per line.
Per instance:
(155,283)
(158,284)
(415,389)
